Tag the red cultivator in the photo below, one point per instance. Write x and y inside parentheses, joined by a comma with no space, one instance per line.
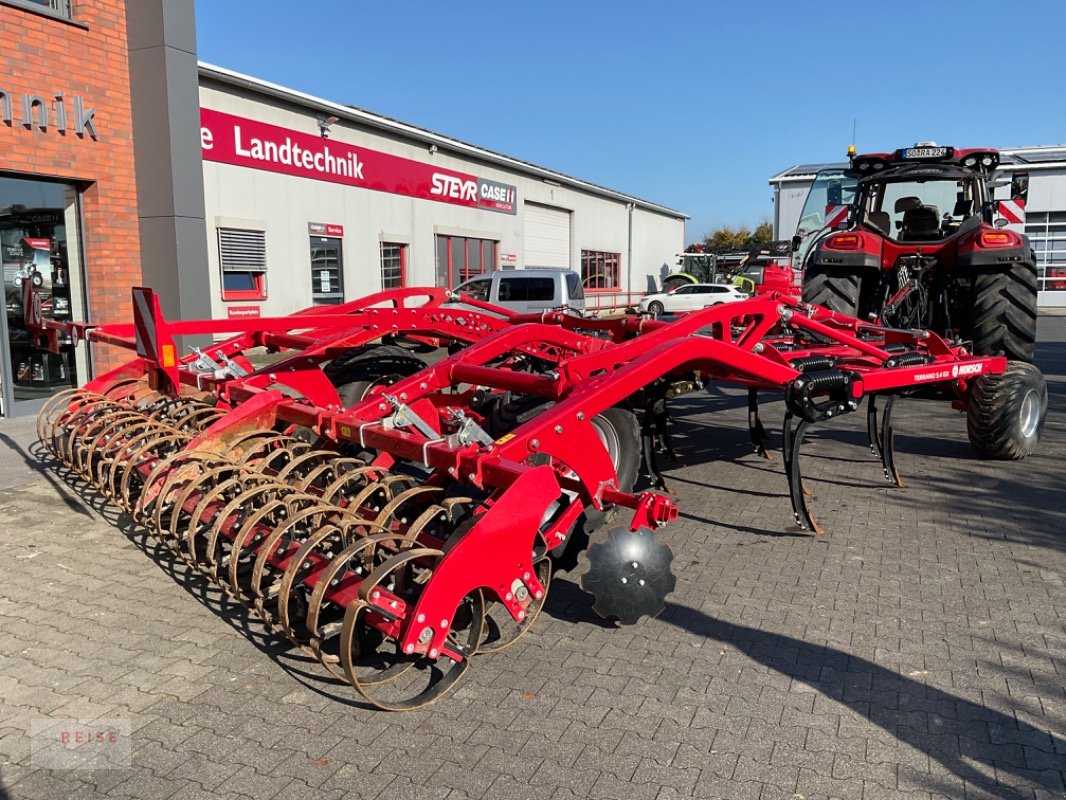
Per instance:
(394,519)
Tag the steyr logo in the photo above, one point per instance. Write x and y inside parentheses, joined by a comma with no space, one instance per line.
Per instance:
(456,188)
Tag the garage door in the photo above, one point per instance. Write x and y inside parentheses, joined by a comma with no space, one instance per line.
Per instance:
(547,236)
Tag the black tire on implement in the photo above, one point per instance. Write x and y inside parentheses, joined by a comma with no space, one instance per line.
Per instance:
(835,288)
(1005,413)
(354,373)
(1004,320)
(620,430)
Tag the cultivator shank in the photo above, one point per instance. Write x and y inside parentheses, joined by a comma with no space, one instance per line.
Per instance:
(394,519)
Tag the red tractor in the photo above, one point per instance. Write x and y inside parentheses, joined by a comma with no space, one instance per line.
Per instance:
(921,248)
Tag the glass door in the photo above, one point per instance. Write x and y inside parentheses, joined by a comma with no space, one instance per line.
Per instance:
(38,244)
(327,271)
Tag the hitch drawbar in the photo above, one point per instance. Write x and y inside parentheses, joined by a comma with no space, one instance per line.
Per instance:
(398,520)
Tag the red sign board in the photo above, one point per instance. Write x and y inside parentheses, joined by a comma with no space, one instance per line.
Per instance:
(325,229)
(242,312)
(37,244)
(230,139)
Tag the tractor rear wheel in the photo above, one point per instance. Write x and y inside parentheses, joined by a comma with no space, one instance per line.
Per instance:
(1004,320)
(834,288)
(1005,413)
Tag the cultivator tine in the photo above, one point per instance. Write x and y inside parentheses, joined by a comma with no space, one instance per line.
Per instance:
(756,431)
(872,431)
(793,440)
(882,442)
(887,443)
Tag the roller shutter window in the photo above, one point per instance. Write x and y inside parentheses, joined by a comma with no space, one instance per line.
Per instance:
(547,236)
(242,258)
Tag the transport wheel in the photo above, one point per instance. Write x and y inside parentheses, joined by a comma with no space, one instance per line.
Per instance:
(1005,414)
(832,287)
(618,429)
(1004,320)
(655,308)
(355,373)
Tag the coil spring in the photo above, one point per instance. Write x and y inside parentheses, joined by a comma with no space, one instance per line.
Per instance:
(809,364)
(909,359)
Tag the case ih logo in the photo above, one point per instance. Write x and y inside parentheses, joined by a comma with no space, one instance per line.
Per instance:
(228,139)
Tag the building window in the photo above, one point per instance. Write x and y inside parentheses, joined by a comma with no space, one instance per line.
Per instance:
(242,256)
(1047,235)
(57,8)
(460,258)
(39,246)
(393,265)
(600,271)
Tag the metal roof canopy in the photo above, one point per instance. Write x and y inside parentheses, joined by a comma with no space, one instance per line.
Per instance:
(370,119)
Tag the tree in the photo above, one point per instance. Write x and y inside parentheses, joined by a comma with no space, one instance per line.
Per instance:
(727,238)
(763,233)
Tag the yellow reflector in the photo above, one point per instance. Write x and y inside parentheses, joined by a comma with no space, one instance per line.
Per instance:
(169,358)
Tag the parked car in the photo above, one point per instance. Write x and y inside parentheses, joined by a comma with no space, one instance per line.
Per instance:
(691,297)
(528,290)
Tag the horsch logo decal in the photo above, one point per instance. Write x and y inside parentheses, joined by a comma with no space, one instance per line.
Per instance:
(229,139)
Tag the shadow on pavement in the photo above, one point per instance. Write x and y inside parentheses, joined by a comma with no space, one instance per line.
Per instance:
(961,735)
(299,665)
(957,733)
(41,468)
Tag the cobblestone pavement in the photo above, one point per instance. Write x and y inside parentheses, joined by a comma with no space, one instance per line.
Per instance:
(918,650)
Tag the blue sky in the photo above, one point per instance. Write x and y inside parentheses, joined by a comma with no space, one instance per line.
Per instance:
(690,104)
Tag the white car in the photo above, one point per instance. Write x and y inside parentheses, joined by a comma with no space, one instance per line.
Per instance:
(690,297)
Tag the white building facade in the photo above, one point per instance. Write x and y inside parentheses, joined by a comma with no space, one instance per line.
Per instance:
(308,201)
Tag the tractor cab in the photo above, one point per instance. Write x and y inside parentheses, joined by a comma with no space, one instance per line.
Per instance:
(923,194)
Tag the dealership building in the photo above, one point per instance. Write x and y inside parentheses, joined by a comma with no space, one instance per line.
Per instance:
(1040,212)
(309,201)
(125,161)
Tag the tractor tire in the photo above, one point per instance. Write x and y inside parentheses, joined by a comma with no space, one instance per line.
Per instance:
(354,373)
(655,308)
(1004,318)
(1005,414)
(618,427)
(834,288)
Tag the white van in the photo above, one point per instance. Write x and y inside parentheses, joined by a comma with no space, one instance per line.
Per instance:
(528,290)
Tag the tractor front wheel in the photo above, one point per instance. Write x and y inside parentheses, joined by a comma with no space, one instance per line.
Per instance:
(834,288)
(1005,413)
(1004,321)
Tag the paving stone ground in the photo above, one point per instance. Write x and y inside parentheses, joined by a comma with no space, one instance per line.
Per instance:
(917,650)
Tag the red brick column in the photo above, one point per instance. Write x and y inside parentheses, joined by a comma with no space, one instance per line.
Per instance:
(45,57)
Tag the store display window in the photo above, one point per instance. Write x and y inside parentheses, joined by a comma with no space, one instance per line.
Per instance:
(39,244)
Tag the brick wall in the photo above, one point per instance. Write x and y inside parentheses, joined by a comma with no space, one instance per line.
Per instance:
(45,56)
